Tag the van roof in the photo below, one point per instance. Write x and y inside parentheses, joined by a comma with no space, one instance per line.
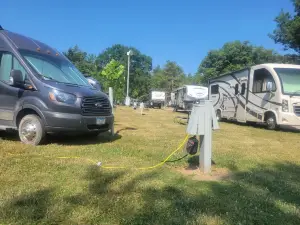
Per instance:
(27,43)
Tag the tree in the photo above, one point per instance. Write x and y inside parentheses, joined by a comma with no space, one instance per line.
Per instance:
(158,79)
(112,76)
(174,75)
(83,61)
(140,67)
(287,31)
(234,56)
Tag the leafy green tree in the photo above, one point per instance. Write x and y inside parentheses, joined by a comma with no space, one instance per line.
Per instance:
(159,80)
(287,31)
(83,61)
(234,56)
(174,75)
(140,67)
(112,76)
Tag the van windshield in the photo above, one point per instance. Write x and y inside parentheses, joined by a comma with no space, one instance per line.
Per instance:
(55,69)
(290,78)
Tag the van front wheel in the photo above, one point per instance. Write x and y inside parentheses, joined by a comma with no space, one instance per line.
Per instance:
(31,130)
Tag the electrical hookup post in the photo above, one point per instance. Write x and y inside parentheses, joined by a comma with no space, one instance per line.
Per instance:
(111,99)
(201,123)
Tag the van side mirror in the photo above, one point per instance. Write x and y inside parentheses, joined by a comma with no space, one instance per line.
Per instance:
(16,78)
(269,86)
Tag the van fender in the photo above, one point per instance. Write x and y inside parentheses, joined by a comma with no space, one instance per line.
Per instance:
(31,103)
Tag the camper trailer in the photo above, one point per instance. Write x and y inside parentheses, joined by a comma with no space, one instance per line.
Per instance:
(266,93)
(157,99)
(184,97)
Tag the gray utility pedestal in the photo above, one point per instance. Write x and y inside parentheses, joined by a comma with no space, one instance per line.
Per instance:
(111,99)
(202,120)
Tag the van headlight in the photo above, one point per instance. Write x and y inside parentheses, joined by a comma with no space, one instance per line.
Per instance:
(62,97)
(285,105)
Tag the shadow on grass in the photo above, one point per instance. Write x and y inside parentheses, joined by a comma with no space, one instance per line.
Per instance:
(193,162)
(264,195)
(263,126)
(82,139)
(75,139)
(30,208)
(126,128)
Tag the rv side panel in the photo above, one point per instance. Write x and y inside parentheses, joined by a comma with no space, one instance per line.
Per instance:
(229,95)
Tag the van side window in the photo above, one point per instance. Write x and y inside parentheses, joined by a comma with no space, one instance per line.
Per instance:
(236,89)
(7,63)
(214,89)
(243,89)
(260,79)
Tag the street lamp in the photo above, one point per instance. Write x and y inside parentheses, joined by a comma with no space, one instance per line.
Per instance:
(127,101)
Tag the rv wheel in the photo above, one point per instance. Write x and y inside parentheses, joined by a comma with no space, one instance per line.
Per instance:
(218,114)
(271,122)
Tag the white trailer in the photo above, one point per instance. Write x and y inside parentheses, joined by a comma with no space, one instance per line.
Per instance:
(266,93)
(185,96)
(158,99)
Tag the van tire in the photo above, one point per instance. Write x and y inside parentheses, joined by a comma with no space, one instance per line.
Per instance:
(31,130)
(271,122)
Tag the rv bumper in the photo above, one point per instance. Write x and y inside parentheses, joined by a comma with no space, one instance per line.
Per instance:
(289,120)
(66,122)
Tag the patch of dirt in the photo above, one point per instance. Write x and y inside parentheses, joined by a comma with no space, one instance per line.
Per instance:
(216,174)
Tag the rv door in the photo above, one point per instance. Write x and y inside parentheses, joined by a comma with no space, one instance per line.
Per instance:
(241,102)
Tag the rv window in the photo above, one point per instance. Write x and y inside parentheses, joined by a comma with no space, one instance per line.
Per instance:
(214,89)
(260,79)
(243,89)
(236,89)
(7,63)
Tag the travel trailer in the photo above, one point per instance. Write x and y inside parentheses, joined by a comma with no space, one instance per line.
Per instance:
(42,92)
(266,93)
(157,99)
(184,97)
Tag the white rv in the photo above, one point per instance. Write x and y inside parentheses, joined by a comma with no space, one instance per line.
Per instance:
(266,93)
(185,96)
(158,99)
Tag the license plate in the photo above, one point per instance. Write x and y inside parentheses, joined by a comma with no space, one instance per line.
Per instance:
(100,121)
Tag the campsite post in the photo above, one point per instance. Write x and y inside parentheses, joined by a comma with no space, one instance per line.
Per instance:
(202,120)
(111,99)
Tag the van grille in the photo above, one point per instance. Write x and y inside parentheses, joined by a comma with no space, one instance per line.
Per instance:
(95,106)
(297,110)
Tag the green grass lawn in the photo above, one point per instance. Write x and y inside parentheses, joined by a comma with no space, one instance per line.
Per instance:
(39,188)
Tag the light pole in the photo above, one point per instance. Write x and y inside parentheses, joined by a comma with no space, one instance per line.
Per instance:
(127,101)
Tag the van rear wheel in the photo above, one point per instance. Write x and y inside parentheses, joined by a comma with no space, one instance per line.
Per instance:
(31,130)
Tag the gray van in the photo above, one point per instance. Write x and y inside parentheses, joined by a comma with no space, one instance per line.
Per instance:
(42,92)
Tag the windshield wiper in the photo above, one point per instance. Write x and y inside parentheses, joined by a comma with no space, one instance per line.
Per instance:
(46,78)
(50,78)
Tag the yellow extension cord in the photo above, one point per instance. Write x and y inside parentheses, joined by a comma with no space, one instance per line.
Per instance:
(127,167)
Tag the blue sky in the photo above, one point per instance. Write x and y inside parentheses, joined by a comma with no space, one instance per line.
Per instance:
(183,31)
